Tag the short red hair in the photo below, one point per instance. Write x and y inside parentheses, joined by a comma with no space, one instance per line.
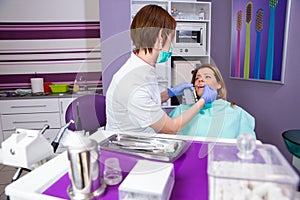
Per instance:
(147,24)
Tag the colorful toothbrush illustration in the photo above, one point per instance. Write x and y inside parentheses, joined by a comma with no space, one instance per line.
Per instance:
(270,48)
(247,45)
(258,28)
(238,47)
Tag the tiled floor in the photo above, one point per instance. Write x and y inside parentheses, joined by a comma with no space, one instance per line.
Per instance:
(6,174)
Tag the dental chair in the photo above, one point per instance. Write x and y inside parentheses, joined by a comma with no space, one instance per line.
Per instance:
(88,112)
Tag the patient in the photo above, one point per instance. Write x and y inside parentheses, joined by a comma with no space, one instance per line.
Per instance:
(220,118)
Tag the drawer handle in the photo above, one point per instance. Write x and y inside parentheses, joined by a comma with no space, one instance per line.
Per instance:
(24,122)
(34,106)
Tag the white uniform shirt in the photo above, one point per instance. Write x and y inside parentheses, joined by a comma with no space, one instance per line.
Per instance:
(133,101)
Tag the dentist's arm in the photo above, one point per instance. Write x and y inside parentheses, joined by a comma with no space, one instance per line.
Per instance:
(173,126)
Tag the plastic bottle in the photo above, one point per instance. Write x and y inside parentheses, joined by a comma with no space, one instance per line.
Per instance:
(75,86)
(202,14)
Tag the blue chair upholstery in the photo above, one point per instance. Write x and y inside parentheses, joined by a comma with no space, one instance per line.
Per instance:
(91,108)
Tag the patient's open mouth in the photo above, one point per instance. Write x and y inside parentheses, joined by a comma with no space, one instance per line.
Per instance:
(199,86)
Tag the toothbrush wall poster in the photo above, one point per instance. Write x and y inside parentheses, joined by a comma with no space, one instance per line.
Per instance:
(258,39)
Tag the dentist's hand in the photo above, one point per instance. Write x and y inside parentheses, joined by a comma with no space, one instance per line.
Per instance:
(178,89)
(209,94)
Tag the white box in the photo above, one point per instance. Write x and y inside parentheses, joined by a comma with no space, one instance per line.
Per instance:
(25,148)
(148,180)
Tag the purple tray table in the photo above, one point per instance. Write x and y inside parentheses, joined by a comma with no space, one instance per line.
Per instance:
(191,180)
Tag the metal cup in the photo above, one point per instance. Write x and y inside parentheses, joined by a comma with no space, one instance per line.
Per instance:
(85,171)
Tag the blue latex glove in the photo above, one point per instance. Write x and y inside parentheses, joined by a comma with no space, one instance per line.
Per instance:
(209,94)
(178,89)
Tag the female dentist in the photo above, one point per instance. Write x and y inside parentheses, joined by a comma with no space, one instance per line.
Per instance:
(133,99)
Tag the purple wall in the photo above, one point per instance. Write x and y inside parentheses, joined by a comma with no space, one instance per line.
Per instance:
(115,37)
(275,107)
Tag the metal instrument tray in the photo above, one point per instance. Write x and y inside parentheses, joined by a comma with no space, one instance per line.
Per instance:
(153,148)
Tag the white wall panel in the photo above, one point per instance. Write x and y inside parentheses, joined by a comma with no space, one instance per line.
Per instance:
(49,10)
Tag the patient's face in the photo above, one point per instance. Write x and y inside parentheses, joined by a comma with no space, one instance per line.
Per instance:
(205,76)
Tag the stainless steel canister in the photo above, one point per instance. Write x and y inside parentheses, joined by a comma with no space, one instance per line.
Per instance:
(85,171)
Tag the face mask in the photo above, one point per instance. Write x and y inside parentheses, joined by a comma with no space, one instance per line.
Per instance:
(164,56)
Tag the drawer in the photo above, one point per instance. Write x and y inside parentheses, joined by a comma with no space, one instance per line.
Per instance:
(29,106)
(30,121)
